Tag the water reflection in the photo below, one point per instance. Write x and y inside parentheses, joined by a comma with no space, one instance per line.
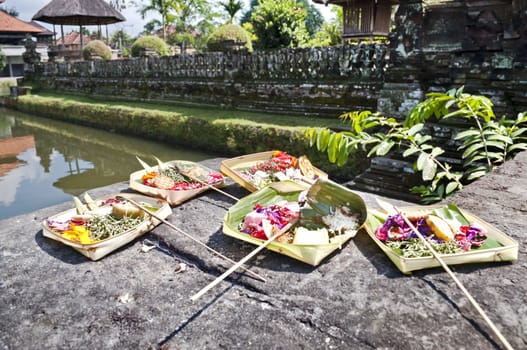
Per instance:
(44,162)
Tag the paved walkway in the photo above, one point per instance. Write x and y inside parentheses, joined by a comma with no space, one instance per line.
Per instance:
(51,297)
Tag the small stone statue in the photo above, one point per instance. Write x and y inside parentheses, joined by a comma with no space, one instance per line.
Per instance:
(30,56)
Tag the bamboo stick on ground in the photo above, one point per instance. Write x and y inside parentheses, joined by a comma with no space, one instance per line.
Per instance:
(452,275)
(242,261)
(255,275)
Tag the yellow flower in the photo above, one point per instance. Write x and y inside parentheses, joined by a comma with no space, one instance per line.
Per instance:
(78,233)
(70,235)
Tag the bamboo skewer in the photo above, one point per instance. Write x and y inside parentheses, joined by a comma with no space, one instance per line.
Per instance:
(454,277)
(206,184)
(255,275)
(242,261)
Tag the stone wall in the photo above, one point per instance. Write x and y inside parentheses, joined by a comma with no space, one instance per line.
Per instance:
(439,45)
(322,81)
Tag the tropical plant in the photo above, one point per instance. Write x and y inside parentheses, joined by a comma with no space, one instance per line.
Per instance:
(314,19)
(483,145)
(149,42)
(279,24)
(226,35)
(96,48)
(232,7)
(330,35)
(163,7)
(331,32)
(120,39)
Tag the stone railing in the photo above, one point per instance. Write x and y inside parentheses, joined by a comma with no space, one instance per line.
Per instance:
(325,81)
(362,61)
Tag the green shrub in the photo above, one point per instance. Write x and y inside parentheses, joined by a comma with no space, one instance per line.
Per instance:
(229,37)
(149,42)
(96,48)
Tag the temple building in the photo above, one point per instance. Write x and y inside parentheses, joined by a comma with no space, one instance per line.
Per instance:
(13,33)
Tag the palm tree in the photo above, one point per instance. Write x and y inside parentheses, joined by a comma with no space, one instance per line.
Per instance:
(163,8)
(232,7)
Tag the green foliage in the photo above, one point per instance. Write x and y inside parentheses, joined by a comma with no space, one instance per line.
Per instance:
(96,48)
(330,35)
(232,7)
(149,42)
(279,24)
(246,17)
(121,40)
(486,143)
(228,33)
(184,40)
(163,8)
(314,19)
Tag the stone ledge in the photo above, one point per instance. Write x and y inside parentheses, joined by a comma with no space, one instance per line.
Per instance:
(52,297)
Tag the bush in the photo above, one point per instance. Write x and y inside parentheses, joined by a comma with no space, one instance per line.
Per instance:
(229,37)
(149,42)
(96,48)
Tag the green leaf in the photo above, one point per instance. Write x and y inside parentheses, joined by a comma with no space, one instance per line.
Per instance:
(333,147)
(343,154)
(373,150)
(420,162)
(323,139)
(384,147)
(437,151)
(452,214)
(409,151)
(451,187)
(476,175)
(472,149)
(496,156)
(497,144)
(488,244)
(467,133)
(415,129)
(310,134)
(517,147)
(518,132)
(429,169)
(498,138)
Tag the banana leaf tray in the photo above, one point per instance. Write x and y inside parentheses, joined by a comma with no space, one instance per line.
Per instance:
(175,197)
(100,249)
(234,168)
(323,197)
(503,248)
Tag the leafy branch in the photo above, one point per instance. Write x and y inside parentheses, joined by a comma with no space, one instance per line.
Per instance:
(484,144)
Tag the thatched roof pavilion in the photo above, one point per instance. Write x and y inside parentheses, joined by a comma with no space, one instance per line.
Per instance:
(78,12)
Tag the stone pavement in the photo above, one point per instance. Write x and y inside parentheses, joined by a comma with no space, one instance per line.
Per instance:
(51,297)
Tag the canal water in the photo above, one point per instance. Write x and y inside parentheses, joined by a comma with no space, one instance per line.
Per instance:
(45,162)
